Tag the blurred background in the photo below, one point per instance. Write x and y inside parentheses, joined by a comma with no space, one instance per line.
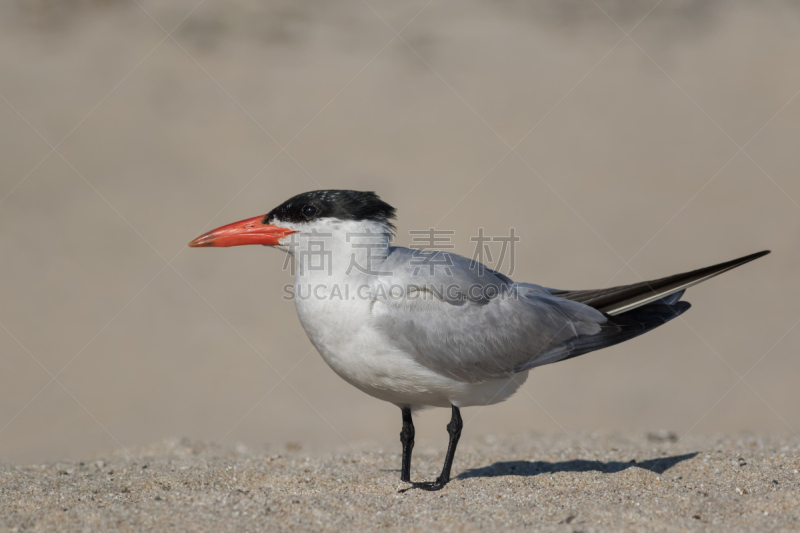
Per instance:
(621,139)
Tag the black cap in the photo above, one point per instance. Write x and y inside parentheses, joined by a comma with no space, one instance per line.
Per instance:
(334,203)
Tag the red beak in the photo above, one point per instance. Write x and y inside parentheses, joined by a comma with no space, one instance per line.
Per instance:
(250,231)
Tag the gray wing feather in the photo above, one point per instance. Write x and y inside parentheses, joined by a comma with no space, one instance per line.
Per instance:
(482,326)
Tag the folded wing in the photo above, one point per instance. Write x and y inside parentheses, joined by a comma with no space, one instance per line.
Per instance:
(473,324)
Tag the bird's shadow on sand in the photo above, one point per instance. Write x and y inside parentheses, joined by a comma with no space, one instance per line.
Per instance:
(534,468)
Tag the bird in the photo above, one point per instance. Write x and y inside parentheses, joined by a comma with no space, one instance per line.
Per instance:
(428,328)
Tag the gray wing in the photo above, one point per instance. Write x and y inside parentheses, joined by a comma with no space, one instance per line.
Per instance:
(475,324)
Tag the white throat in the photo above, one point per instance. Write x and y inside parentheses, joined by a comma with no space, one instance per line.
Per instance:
(331,250)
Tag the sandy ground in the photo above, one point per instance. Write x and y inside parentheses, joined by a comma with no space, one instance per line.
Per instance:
(586,482)
(636,157)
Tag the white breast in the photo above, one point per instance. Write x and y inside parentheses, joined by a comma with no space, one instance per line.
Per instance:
(342,332)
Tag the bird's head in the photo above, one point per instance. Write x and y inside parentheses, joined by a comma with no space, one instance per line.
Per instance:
(323,212)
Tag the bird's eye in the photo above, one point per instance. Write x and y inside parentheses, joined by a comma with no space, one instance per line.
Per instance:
(309,211)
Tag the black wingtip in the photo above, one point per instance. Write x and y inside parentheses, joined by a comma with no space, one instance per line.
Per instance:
(733,263)
(617,300)
(751,257)
(756,255)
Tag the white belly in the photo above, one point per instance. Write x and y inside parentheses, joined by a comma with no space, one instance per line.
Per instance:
(342,332)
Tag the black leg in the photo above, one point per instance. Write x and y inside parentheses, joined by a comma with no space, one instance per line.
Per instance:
(454,429)
(407,438)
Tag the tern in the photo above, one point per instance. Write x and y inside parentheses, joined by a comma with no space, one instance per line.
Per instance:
(421,328)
